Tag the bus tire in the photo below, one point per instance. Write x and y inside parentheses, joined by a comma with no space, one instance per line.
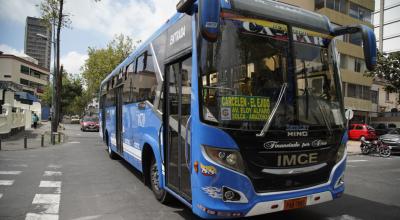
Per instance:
(111,153)
(161,194)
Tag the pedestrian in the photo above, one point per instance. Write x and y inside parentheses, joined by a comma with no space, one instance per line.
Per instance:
(35,120)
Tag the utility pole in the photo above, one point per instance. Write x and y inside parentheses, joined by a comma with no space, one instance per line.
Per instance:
(54,95)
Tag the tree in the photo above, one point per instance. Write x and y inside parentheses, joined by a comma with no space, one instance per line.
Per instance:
(47,94)
(102,62)
(52,13)
(70,91)
(388,69)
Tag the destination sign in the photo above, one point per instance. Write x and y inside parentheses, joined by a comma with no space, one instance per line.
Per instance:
(245,108)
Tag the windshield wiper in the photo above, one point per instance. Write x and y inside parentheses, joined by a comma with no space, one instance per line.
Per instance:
(268,123)
(324,117)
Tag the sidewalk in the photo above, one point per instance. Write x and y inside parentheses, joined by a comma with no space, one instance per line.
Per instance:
(353,147)
(34,138)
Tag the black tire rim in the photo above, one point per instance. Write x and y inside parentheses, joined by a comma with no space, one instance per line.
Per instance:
(154,177)
(385,152)
(364,150)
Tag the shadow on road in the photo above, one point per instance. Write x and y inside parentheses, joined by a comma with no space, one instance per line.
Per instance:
(346,208)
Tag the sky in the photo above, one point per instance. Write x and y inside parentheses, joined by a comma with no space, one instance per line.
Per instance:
(94,24)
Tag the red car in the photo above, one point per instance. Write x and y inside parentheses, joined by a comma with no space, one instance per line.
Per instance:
(358,131)
(90,124)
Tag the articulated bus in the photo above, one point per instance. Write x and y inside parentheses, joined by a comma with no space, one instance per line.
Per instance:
(234,107)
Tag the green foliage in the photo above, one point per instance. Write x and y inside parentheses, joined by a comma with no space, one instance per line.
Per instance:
(388,69)
(70,91)
(47,94)
(50,10)
(102,62)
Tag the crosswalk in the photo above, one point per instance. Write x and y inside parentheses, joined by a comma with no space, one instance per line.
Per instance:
(46,201)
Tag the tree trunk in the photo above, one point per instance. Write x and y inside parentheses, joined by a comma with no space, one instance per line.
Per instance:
(59,72)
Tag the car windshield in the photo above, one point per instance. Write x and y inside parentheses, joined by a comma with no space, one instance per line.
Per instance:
(90,119)
(395,131)
(245,73)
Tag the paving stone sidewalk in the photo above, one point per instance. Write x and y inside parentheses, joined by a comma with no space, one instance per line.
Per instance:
(34,138)
(353,147)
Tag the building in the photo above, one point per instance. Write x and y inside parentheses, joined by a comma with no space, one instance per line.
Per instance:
(357,87)
(38,41)
(32,77)
(387,25)
(386,20)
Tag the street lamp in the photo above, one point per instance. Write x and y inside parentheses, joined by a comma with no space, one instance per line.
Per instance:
(54,121)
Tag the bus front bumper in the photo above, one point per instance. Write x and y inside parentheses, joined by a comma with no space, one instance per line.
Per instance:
(211,201)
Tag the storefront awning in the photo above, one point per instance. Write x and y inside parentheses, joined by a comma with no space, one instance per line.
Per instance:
(25,97)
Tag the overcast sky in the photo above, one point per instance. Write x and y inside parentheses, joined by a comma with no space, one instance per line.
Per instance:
(94,24)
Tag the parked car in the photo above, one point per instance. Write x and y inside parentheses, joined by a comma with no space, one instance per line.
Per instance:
(392,139)
(90,124)
(382,128)
(359,131)
(75,119)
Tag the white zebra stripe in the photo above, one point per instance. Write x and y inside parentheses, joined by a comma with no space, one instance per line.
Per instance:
(34,216)
(46,199)
(6,182)
(10,172)
(52,173)
(50,184)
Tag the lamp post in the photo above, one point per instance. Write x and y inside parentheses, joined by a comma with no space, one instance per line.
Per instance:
(54,121)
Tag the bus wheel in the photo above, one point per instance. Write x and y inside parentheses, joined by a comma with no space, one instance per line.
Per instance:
(111,153)
(160,194)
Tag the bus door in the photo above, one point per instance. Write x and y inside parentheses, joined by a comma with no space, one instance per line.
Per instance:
(118,119)
(177,90)
(103,116)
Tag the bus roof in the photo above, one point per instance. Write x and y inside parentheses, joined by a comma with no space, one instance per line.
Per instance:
(138,50)
(265,8)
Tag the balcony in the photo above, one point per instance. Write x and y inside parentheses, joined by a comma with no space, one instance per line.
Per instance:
(340,18)
(355,78)
(350,49)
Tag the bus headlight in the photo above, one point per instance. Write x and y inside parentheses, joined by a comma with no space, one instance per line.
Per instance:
(341,152)
(225,157)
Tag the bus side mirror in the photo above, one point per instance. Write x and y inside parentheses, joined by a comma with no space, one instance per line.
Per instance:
(185,6)
(369,42)
(209,18)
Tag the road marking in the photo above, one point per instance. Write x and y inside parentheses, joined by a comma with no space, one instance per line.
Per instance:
(46,199)
(350,161)
(50,184)
(52,173)
(10,172)
(88,217)
(18,165)
(74,142)
(48,208)
(54,166)
(33,216)
(1,195)
(6,182)
(350,166)
(343,217)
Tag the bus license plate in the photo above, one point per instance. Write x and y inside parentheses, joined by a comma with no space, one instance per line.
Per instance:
(295,203)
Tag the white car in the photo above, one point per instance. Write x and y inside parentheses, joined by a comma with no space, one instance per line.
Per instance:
(75,119)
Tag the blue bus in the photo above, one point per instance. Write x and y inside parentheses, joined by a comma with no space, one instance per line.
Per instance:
(234,107)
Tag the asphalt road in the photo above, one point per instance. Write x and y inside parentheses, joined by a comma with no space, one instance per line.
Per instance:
(77,180)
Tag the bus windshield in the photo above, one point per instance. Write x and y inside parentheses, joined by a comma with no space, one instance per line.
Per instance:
(246,71)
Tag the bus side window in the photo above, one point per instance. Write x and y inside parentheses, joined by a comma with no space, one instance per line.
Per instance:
(129,91)
(146,82)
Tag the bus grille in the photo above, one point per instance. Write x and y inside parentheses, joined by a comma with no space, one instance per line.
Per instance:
(257,158)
